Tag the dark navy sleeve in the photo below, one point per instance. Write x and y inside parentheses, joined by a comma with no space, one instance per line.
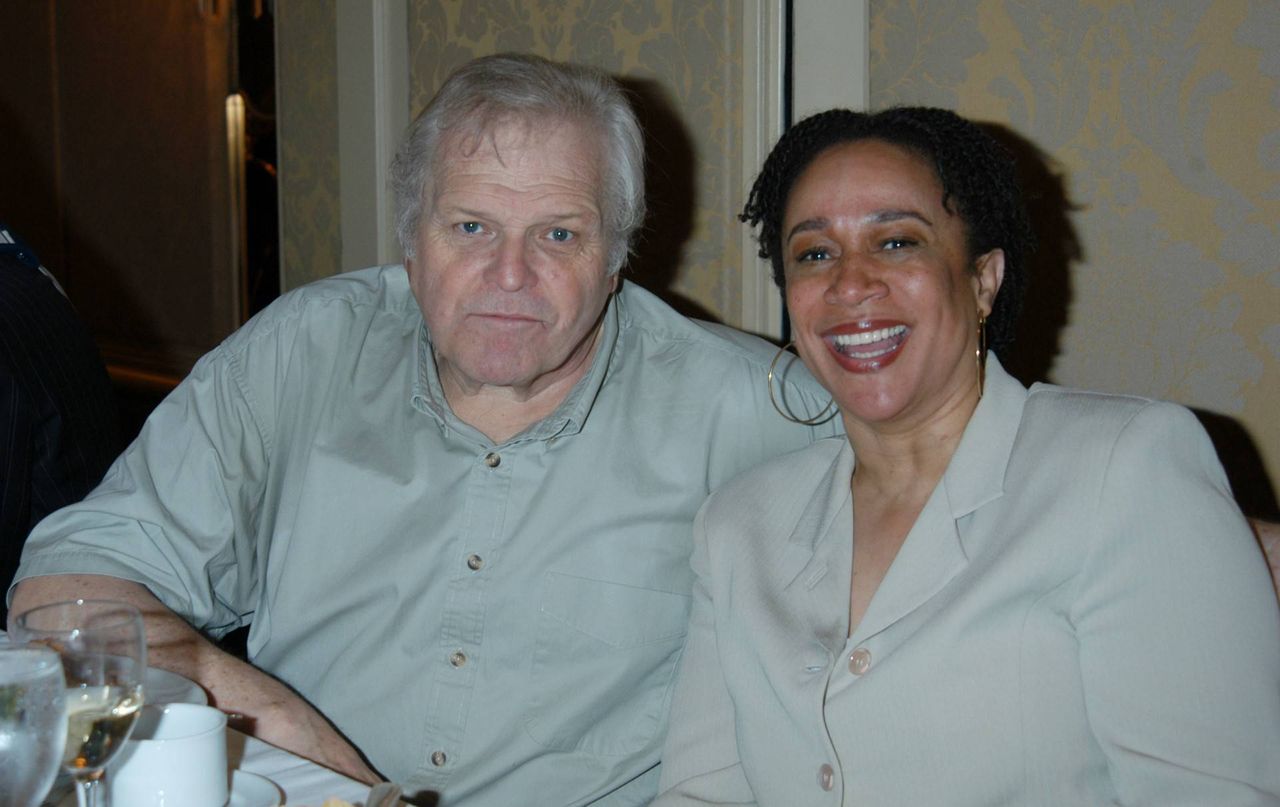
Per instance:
(58,424)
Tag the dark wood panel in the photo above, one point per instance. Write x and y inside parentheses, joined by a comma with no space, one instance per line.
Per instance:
(140,91)
(28,134)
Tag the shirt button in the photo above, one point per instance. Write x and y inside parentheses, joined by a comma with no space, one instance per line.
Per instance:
(860,661)
(438,759)
(826,777)
(474,562)
(492,459)
(457,658)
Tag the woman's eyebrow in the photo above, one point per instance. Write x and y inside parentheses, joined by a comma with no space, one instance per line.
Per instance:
(874,217)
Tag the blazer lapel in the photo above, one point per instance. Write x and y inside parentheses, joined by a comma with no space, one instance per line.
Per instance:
(813,571)
(937,548)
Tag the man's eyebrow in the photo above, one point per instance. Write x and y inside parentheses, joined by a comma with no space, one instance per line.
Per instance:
(875,217)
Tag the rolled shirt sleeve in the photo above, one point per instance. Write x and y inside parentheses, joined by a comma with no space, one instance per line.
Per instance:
(176,511)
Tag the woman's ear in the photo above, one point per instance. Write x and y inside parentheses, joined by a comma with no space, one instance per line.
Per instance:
(988,274)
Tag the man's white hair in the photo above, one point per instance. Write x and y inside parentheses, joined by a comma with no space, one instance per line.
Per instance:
(492,90)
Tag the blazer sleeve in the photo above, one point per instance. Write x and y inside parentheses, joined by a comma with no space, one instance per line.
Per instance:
(1178,626)
(700,763)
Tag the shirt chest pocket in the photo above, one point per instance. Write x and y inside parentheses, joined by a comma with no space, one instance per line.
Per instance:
(603,664)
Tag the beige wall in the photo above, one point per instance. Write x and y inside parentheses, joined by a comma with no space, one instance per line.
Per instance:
(683,61)
(1159,123)
(307,103)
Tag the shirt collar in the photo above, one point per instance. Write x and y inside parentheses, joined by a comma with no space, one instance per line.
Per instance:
(567,419)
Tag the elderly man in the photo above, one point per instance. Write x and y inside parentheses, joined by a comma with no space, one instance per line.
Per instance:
(454,502)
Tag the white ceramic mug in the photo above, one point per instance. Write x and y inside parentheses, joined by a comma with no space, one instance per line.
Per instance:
(176,757)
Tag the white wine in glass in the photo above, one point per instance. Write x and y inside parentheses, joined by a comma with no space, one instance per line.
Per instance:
(104,656)
(32,723)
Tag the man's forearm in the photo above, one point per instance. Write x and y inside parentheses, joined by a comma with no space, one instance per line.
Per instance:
(266,707)
(171,643)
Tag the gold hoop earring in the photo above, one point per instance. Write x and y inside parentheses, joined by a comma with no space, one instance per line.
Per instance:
(980,354)
(817,420)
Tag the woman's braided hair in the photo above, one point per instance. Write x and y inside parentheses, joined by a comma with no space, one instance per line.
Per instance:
(978,178)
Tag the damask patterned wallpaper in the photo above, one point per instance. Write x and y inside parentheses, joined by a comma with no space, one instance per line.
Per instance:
(682,61)
(307,104)
(1151,134)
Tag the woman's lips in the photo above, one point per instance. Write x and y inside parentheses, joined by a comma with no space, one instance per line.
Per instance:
(867,348)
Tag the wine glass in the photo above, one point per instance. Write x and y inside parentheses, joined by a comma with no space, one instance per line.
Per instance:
(32,723)
(104,655)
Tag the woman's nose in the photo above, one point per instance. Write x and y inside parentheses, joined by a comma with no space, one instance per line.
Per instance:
(855,280)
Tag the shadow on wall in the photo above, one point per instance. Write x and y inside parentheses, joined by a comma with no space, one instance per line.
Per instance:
(1048,288)
(1048,303)
(1245,470)
(671,193)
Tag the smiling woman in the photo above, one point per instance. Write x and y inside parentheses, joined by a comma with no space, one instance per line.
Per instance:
(875,262)
(989,580)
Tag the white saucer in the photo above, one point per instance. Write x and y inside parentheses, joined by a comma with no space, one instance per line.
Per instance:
(162,686)
(252,790)
(247,790)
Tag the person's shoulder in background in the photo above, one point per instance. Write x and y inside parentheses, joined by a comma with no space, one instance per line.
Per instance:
(59,430)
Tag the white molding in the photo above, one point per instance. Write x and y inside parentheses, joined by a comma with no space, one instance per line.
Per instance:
(830,56)
(763,49)
(373,110)
(830,69)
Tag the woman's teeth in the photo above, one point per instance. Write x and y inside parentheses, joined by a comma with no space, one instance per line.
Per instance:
(847,342)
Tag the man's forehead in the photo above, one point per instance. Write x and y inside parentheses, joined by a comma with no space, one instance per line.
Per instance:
(549,154)
(500,136)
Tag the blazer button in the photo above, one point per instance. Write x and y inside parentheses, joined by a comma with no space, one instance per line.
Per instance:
(826,777)
(860,661)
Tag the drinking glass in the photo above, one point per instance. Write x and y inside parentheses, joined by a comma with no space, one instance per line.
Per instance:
(32,723)
(104,655)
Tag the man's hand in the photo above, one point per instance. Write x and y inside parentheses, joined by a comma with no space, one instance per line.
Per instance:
(260,705)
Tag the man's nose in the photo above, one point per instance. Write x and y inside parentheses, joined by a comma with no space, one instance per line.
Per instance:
(856,280)
(511,269)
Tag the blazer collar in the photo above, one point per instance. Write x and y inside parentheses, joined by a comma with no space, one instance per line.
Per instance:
(820,551)
(976,472)
(820,526)
(939,545)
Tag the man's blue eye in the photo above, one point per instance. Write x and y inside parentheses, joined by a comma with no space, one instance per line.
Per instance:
(560,234)
(470,227)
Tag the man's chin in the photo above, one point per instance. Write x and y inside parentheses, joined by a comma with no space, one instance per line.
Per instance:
(473,374)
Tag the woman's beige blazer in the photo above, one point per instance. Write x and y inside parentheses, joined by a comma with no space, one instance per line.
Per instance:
(1080,616)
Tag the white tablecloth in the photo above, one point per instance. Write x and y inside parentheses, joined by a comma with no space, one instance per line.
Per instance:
(303,782)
